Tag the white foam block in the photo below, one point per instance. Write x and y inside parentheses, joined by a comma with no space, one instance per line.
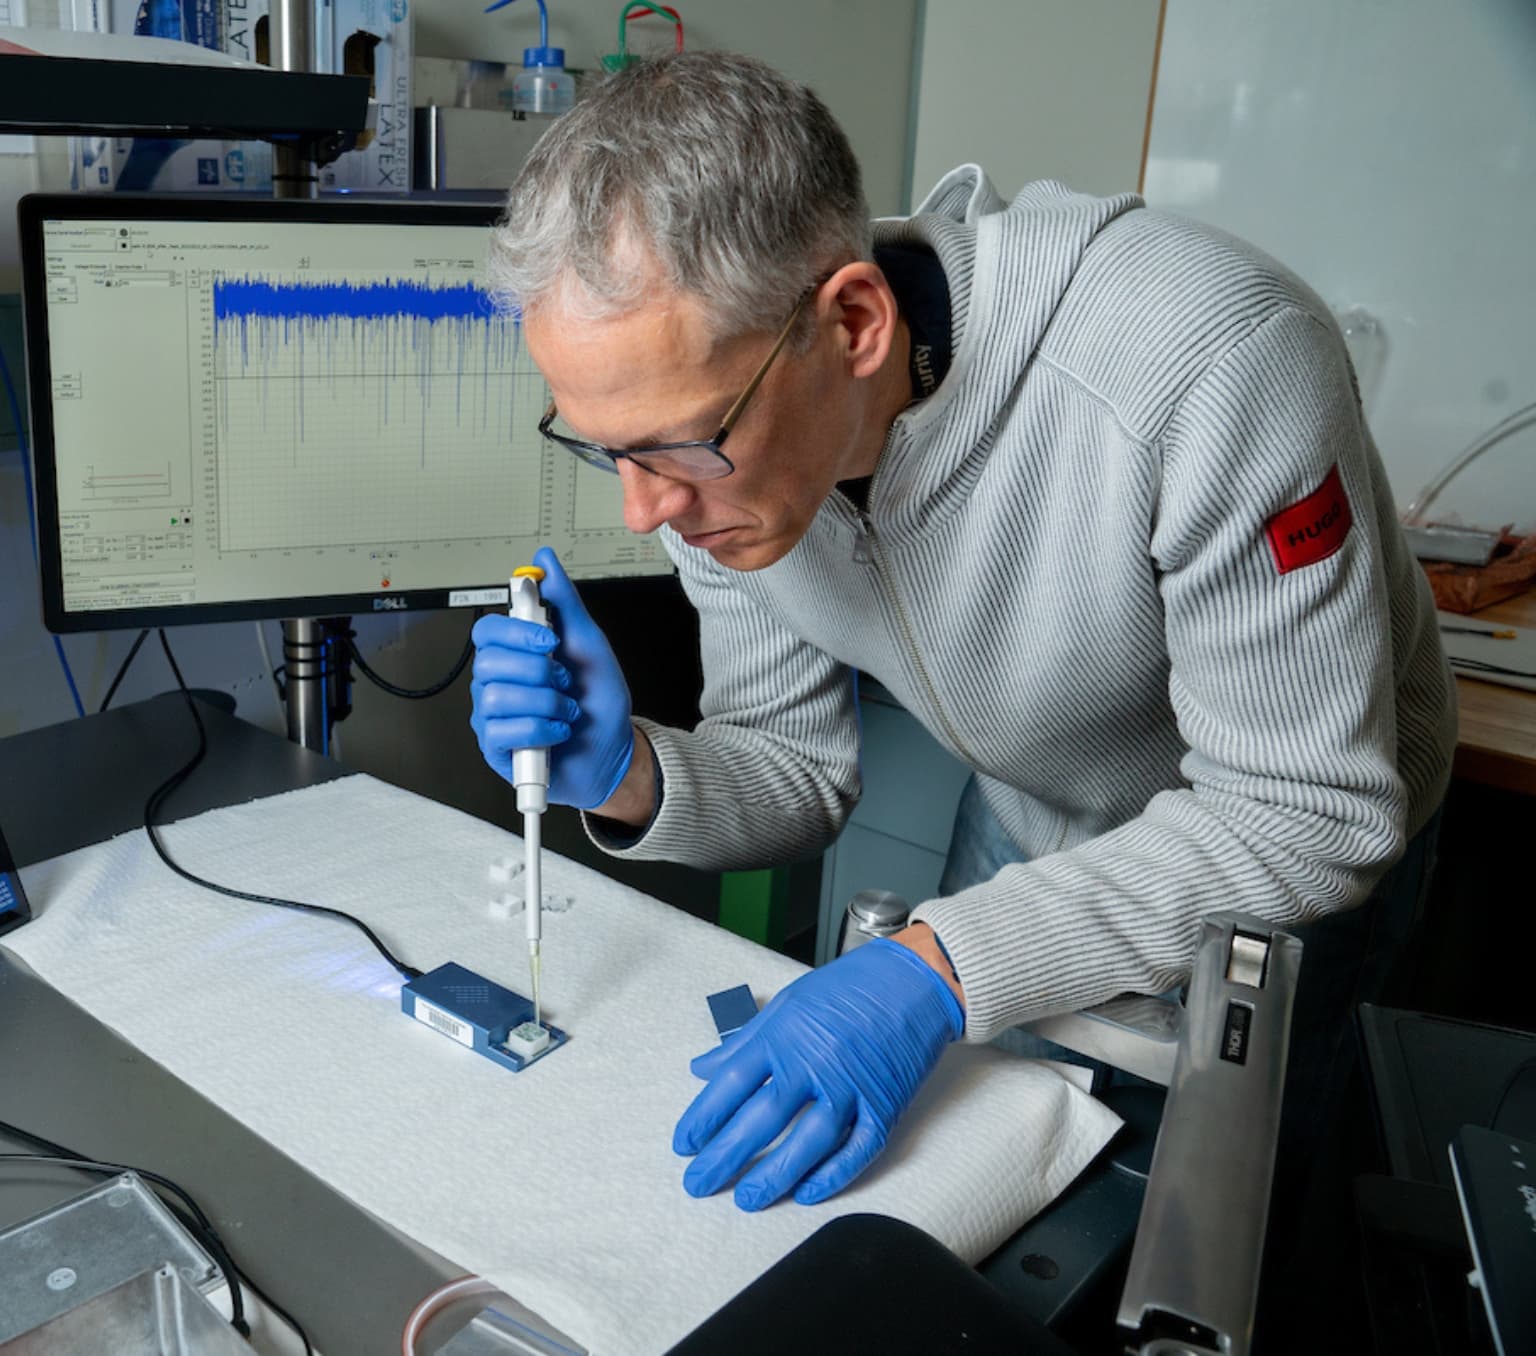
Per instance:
(625,1260)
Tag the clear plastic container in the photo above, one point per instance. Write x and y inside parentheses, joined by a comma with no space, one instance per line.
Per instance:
(543,85)
(1366,339)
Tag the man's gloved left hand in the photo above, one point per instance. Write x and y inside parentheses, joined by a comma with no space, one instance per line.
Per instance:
(850,1043)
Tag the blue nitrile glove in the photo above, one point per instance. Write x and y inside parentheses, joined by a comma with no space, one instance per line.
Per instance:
(850,1043)
(557,687)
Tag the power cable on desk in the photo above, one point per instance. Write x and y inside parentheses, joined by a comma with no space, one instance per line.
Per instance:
(266,658)
(161,793)
(122,669)
(194,1218)
(348,637)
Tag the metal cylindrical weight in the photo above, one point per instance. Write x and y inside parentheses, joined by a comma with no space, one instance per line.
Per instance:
(292,45)
(304,686)
(872,913)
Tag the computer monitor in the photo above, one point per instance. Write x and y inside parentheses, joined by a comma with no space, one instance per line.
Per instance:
(255,408)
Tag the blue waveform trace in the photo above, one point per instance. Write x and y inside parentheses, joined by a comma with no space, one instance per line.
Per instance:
(397,316)
(240,298)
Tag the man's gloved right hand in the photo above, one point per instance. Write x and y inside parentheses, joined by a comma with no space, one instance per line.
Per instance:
(557,687)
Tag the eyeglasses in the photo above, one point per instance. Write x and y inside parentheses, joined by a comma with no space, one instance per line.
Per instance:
(700,459)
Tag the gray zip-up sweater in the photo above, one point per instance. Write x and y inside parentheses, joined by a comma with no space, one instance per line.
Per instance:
(1077,569)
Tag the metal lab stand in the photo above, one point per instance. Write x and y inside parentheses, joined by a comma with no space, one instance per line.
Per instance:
(1194,1277)
(294,175)
(1193,1283)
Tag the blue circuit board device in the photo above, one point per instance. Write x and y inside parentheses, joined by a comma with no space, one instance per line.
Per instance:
(13,899)
(480,1015)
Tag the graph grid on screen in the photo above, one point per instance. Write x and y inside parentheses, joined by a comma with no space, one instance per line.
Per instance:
(337,403)
(279,409)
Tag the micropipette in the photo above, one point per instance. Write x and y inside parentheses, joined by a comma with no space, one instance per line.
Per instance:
(530,775)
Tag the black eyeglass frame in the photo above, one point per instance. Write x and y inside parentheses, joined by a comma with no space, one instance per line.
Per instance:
(607,458)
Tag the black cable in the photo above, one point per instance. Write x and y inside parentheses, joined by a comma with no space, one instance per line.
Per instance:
(162,793)
(198,1223)
(281,1312)
(1519,1072)
(413,694)
(122,671)
(1482,666)
(46,1145)
(272,672)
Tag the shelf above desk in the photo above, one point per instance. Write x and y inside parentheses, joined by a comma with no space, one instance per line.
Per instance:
(51,95)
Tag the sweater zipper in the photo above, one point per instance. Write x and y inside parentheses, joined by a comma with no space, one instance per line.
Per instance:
(866,551)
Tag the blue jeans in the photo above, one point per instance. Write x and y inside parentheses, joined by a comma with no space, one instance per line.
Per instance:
(978,850)
(1347,959)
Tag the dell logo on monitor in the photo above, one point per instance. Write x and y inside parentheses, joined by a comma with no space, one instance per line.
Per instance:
(390,605)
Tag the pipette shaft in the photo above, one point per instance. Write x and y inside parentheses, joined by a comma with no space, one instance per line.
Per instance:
(530,775)
(533,910)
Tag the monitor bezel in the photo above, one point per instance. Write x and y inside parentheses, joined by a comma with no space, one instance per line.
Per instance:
(37,208)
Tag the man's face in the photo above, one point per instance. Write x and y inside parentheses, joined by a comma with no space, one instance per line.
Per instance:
(655,375)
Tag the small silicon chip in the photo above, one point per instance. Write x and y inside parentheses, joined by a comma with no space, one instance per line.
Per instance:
(527,1040)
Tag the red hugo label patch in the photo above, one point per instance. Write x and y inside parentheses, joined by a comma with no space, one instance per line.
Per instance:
(1311,529)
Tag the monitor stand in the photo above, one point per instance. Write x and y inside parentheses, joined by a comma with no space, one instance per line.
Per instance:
(305,683)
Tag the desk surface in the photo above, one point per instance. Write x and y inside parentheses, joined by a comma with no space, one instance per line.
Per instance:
(349,1278)
(1497,742)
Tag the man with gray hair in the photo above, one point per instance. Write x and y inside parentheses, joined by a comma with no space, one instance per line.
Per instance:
(1085,486)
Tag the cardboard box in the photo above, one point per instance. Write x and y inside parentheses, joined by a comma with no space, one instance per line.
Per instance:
(160,164)
(354,36)
(144,164)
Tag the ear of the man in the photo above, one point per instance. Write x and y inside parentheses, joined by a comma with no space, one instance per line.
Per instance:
(862,307)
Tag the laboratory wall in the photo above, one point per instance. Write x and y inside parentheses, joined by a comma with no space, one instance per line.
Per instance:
(857,53)
(1386,151)
(1034,89)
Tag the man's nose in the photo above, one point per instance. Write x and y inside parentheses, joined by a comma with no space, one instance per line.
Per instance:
(650,500)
